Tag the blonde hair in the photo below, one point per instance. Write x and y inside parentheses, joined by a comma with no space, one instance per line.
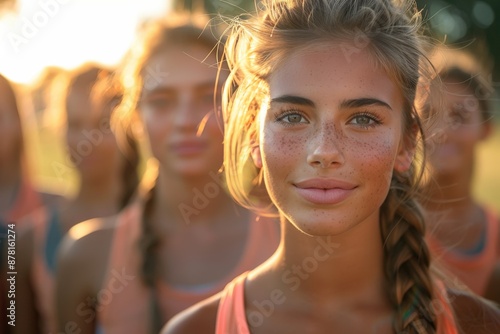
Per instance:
(389,30)
(154,38)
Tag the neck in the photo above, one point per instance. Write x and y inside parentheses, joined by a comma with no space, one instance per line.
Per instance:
(344,268)
(102,195)
(450,191)
(191,200)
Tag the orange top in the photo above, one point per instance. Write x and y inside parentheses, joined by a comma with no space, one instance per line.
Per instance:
(124,304)
(473,270)
(27,201)
(231,316)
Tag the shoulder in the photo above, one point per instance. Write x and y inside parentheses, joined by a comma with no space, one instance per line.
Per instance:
(88,238)
(85,234)
(85,250)
(474,314)
(199,318)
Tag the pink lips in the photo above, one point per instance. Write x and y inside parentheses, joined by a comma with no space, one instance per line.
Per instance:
(188,147)
(324,191)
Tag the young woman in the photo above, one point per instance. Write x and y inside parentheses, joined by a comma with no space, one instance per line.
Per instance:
(324,106)
(462,233)
(184,239)
(18,195)
(108,179)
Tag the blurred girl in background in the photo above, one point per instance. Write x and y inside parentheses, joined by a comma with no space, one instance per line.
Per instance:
(184,238)
(107,176)
(463,234)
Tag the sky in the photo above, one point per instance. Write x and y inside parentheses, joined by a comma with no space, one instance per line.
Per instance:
(68,33)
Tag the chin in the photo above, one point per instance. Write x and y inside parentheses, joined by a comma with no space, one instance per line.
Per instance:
(322,226)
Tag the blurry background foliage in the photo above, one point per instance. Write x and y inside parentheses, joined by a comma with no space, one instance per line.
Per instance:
(473,25)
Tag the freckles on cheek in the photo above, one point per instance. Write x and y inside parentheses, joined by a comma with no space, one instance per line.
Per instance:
(377,159)
(281,147)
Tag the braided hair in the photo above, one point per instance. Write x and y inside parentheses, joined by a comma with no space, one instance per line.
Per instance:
(390,31)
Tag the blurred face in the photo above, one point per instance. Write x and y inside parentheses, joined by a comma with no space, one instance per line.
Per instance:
(330,139)
(10,130)
(91,144)
(177,107)
(460,128)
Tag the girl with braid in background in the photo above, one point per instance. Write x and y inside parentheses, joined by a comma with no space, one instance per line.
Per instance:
(323,103)
(184,238)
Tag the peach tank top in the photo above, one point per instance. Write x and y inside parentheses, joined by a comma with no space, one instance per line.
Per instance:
(124,306)
(473,270)
(231,318)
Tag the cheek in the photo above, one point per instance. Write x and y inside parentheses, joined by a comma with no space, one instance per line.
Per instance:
(157,128)
(281,150)
(375,160)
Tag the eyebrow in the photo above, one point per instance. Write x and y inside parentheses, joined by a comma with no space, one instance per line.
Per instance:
(293,100)
(363,102)
(351,103)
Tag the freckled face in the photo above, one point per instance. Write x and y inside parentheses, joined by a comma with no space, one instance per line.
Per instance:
(330,139)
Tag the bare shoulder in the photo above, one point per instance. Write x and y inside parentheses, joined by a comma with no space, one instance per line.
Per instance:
(88,241)
(474,314)
(199,318)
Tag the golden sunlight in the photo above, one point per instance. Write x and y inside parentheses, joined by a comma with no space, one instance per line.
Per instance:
(68,33)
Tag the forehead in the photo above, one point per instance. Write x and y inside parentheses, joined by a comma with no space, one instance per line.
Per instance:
(333,71)
(180,66)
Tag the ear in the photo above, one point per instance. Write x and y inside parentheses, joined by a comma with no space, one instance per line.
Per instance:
(256,156)
(406,152)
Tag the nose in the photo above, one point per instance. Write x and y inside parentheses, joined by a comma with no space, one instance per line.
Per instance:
(326,149)
(186,115)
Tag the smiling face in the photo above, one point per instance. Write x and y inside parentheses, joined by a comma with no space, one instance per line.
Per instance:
(330,139)
(177,102)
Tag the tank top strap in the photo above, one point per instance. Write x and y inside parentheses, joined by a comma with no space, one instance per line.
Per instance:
(444,311)
(231,316)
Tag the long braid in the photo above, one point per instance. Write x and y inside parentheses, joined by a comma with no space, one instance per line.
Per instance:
(390,31)
(148,245)
(407,260)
